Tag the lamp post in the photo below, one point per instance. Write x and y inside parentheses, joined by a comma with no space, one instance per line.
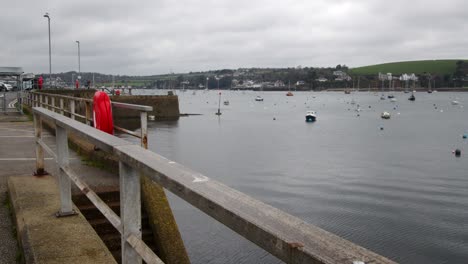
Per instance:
(79,66)
(50,56)
(206,87)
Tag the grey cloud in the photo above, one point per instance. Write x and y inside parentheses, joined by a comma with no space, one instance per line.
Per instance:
(151,37)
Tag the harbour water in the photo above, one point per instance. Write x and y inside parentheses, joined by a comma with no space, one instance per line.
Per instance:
(392,186)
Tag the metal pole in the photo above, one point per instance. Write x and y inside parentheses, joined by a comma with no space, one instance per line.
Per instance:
(50,52)
(79,63)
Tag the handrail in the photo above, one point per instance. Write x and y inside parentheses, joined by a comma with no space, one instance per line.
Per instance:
(42,99)
(283,235)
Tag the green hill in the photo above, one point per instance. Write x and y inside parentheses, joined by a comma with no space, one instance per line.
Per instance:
(440,67)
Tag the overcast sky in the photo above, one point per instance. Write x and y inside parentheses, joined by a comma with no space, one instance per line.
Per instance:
(154,36)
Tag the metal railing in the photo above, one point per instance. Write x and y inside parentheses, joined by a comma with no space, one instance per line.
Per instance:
(284,236)
(12,106)
(57,103)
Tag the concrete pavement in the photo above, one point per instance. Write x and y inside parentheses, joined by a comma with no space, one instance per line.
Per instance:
(17,158)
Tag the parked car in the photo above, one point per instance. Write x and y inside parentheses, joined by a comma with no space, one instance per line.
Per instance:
(5,87)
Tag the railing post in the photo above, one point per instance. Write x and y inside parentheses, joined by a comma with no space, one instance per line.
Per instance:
(61,106)
(130,211)
(88,113)
(52,102)
(144,129)
(66,206)
(41,99)
(72,109)
(4,102)
(39,150)
(46,101)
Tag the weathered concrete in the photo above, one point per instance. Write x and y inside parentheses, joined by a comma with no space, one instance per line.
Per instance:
(162,223)
(13,117)
(46,238)
(165,107)
(17,157)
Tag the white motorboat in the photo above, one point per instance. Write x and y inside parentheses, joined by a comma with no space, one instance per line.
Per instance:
(385,115)
(311,116)
(259,99)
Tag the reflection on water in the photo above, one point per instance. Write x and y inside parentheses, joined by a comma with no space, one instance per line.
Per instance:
(398,191)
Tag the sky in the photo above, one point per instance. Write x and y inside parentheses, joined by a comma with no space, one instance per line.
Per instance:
(163,36)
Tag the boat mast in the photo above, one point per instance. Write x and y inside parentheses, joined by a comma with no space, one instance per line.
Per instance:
(219,104)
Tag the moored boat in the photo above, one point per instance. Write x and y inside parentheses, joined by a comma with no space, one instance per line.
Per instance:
(259,98)
(385,115)
(311,116)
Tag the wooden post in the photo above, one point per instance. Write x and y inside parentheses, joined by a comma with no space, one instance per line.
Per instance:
(72,109)
(61,106)
(52,102)
(130,211)
(88,113)
(39,150)
(66,205)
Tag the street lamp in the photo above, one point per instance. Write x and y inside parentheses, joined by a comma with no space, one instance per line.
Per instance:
(79,66)
(50,56)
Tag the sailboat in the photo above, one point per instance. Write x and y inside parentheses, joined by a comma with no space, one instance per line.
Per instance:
(391,87)
(219,105)
(382,97)
(289,88)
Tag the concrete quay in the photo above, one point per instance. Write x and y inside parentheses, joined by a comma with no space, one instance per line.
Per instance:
(36,223)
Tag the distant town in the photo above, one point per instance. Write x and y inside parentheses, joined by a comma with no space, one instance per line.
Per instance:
(419,75)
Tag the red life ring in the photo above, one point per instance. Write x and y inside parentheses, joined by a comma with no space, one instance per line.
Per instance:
(102,112)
